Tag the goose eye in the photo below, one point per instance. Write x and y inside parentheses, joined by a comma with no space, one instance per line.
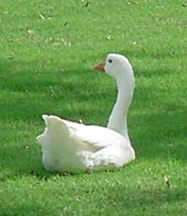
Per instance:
(110,60)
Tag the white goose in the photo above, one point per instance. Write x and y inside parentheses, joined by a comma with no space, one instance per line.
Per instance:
(73,147)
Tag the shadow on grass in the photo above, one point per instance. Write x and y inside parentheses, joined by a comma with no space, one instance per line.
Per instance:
(160,135)
(28,92)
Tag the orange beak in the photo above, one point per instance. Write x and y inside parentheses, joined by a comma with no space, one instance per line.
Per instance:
(100,66)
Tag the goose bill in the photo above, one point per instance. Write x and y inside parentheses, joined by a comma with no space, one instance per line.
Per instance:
(100,66)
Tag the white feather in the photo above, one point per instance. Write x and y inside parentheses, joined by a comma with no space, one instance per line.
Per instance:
(72,147)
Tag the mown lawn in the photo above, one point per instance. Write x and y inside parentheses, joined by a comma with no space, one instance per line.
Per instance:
(48,49)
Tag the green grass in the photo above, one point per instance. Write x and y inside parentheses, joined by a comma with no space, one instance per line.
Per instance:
(47,52)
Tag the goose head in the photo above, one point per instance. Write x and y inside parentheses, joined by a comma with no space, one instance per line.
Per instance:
(117,66)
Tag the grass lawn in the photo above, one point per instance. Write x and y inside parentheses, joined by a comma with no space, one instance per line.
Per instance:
(48,49)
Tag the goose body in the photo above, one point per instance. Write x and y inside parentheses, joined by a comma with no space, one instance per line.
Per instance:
(72,147)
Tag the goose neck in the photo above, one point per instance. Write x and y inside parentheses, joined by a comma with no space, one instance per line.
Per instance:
(118,117)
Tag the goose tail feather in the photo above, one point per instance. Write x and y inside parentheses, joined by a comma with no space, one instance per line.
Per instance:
(55,128)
